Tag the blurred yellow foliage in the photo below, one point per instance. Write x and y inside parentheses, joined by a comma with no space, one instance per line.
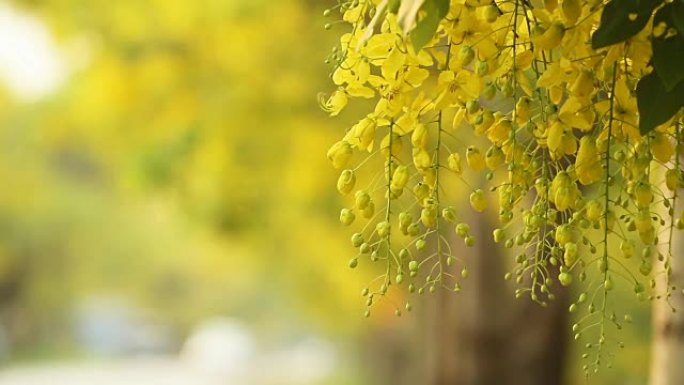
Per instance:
(176,166)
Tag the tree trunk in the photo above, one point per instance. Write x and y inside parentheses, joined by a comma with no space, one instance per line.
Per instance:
(667,344)
(668,325)
(484,336)
(480,336)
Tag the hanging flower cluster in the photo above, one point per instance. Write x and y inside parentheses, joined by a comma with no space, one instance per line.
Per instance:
(555,115)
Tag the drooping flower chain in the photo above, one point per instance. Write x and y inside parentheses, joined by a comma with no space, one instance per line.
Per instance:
(509,102)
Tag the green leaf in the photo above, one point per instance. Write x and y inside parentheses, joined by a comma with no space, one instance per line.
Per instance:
(668,53)
(442,7)
(435,11)
(678,16)
(393,6)
(616,25)
(656,105)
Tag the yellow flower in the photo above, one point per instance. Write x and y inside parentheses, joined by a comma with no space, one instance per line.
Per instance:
(419,136)
(571,114)
(458,117)
(454,163)
(456,88)
(662,148)
(354,71)
(625,111)
(362,134)
(346,182)
(494,157)
(555,74)
(474,158)
(335,103)
(522,110)
(385,145)
(379,47)
(421,159)
(340,153)
(583,86)
(562,191)
(499,132)
(353,74)
(572,10)
(593,211)
(561,140)
(467,28)
(353,14)
(399,178)
(588,162)
(410,120)
(551,38)
(396,86)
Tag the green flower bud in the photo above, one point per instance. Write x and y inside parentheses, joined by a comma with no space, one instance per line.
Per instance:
(347,217)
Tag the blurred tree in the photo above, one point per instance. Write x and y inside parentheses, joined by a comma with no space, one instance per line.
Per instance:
(170,168)
(481,335)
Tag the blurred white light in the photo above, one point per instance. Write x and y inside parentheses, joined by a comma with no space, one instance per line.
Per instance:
(221,347)
(31,66)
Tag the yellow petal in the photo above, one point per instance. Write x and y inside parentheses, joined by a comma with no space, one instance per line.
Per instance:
(555,136)
(551,77)
(523,60)
(415,76)
(469,83)
(340,153)
(458,117)
(360,91)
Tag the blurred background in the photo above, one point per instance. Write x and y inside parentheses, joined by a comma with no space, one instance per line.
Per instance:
(167,214)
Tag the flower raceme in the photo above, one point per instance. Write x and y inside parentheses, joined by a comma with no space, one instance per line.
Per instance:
(530,107)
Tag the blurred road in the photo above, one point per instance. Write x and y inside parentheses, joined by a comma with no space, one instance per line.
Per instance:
(220,352)
(147,371)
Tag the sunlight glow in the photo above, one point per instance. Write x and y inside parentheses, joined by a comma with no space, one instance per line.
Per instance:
(31,66)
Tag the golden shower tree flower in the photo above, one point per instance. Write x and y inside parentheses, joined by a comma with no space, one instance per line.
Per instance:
(552,103)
